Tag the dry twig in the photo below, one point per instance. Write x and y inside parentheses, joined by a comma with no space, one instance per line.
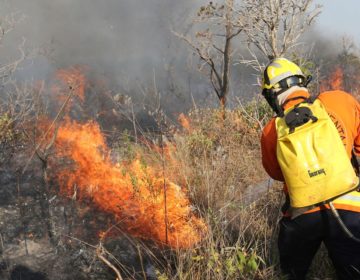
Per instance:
(100,253)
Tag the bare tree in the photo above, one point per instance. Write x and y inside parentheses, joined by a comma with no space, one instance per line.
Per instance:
(274,27)
(15,107)
(219,25)
(7,24)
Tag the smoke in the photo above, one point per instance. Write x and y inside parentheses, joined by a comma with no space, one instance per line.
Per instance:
(127,41)
(120,35)
(128,44)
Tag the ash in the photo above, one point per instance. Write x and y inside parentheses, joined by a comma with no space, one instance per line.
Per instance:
(46,236)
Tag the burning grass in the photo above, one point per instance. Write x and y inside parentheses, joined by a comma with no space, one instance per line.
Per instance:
(201,200)
(133,192)
(215,161)
(220,163)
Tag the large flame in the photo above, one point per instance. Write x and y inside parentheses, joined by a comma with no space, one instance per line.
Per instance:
(133,192)
(145,203)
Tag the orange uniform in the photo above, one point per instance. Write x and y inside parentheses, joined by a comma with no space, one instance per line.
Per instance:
(344,110)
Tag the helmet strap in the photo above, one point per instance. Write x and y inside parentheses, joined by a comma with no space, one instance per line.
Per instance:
(271,98)
(279,109)
(308,80)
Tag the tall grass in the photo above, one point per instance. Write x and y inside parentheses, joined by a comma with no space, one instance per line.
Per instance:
(218,162)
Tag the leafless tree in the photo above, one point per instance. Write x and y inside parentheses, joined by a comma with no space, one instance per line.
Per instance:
(274,27)
(7,24)
(218,25)
(15,105)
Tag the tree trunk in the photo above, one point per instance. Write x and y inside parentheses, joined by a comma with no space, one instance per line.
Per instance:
(227,53)
(223,106)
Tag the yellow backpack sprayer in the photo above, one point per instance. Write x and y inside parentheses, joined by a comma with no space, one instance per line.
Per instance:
(313,158)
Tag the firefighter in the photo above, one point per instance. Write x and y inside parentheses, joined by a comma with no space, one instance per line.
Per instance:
(301,235)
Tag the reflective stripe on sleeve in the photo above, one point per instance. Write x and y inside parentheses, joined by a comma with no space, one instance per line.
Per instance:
(350,201)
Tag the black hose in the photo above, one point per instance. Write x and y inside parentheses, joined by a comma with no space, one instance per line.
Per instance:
(341,223)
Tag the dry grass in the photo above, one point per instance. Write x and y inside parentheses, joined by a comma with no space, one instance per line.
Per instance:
(219,163)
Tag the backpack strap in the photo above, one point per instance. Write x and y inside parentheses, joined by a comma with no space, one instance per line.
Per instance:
(309,100)
(312,98)
(294,98)
(355,163)
(298,116)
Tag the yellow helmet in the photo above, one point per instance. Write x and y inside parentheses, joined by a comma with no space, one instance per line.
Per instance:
(278,70)
(280,75)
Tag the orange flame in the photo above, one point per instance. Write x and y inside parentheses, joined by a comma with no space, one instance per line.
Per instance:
(184,121)
(133,193)
(70,80)
(335,80)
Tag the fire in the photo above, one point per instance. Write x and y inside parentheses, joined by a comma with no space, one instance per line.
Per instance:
(142,200)
(74,77)
(335,80)
(132,192)
(70,81)
(184,122)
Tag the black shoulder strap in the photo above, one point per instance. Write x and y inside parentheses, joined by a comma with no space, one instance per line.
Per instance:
(355,163)
(298,116)
(309,100)
(312,98)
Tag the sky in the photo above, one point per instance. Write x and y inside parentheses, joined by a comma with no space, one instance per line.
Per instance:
(340,17)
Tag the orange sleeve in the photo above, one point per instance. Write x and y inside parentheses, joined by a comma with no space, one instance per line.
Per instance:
(268,151)
(344,111)
(357,129)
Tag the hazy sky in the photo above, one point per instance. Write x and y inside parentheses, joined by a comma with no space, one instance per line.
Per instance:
(131,37)
(340,17)
(130,41)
